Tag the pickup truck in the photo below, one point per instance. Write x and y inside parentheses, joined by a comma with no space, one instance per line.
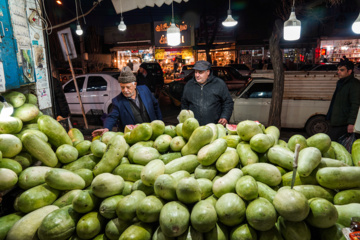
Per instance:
(306,100)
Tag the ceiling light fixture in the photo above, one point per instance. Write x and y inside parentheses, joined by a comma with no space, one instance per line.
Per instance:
(356,25)
(229,21)
(122,26)
(78,31)
(292,27)
(173,32)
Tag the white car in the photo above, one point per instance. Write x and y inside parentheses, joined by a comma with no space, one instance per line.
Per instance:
(96,90)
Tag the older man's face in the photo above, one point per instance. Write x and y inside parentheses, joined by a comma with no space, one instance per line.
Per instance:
(128,89)
(201,76)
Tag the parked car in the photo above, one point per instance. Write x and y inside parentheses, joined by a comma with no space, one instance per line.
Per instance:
(65,74)
(154,69)
(307,67)
(233,79)
(110,69)
(186,70)
(96,91)
(325,67)
(242,69)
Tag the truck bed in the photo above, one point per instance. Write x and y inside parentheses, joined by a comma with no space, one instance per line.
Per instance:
(305,85)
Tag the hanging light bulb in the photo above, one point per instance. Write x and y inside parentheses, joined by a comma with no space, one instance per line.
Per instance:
(292,27)
(356,25)
(173,32)
(79,31)
(121,26)
(229,21)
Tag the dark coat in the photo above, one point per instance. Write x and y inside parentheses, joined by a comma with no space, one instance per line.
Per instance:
(209,102)
(345,102)
(122,113)
(61,105)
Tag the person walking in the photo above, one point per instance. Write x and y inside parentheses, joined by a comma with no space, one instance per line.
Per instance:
(207,96)
(345,102)
(135,104)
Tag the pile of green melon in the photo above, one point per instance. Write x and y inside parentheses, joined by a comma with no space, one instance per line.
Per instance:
(173,182)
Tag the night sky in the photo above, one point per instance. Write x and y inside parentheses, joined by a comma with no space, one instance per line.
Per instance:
(255,17)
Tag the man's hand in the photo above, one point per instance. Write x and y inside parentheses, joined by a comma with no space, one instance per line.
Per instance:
(99,132)
(223,121)
(350,128)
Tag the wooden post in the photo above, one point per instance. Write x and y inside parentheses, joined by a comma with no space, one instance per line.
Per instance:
(75,82)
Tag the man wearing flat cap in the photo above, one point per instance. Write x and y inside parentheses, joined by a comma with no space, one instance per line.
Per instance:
(135,104)
(207,96)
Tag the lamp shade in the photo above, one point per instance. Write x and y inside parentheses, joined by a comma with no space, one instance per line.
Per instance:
(79,31)
(122,26)
(229,21)
(356,25)
(173,35)
(292,27)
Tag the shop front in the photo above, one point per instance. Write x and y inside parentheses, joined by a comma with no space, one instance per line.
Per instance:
(132,56)
(132,47)
(332,50)
(171,59)
(221,55)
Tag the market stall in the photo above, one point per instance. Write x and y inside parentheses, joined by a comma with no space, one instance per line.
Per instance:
(203,181)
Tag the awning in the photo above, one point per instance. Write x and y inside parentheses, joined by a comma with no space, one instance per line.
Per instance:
(128,5)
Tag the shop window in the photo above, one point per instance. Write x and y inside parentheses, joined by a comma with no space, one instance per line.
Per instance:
(96,83)
(70,87)
(260,90)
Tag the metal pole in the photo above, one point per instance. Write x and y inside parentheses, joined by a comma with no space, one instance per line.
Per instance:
(76,86)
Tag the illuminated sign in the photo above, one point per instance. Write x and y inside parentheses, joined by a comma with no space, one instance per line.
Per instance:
(160,34)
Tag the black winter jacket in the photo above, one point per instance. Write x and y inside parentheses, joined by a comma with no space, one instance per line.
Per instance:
(345,102)
(209,102)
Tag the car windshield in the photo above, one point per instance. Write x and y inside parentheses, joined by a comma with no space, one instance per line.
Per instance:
(239,66)
(153,66)
(233,72)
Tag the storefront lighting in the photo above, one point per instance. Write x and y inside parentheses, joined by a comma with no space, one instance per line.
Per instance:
(292,27)
(173,32)
(229,21)
(356,25)
(122,26)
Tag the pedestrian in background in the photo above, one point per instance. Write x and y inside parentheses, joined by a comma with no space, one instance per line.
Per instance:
(345,102)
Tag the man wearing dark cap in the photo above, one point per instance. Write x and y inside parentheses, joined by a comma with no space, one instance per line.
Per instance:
(207,96)
(345,102)
(135,104)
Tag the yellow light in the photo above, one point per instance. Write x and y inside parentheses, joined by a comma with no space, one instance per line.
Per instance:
(59,2)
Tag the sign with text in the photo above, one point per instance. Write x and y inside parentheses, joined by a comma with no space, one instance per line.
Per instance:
(160,33)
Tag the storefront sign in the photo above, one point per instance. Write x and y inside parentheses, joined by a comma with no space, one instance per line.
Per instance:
(159,54)
(185,53)
(160,34)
